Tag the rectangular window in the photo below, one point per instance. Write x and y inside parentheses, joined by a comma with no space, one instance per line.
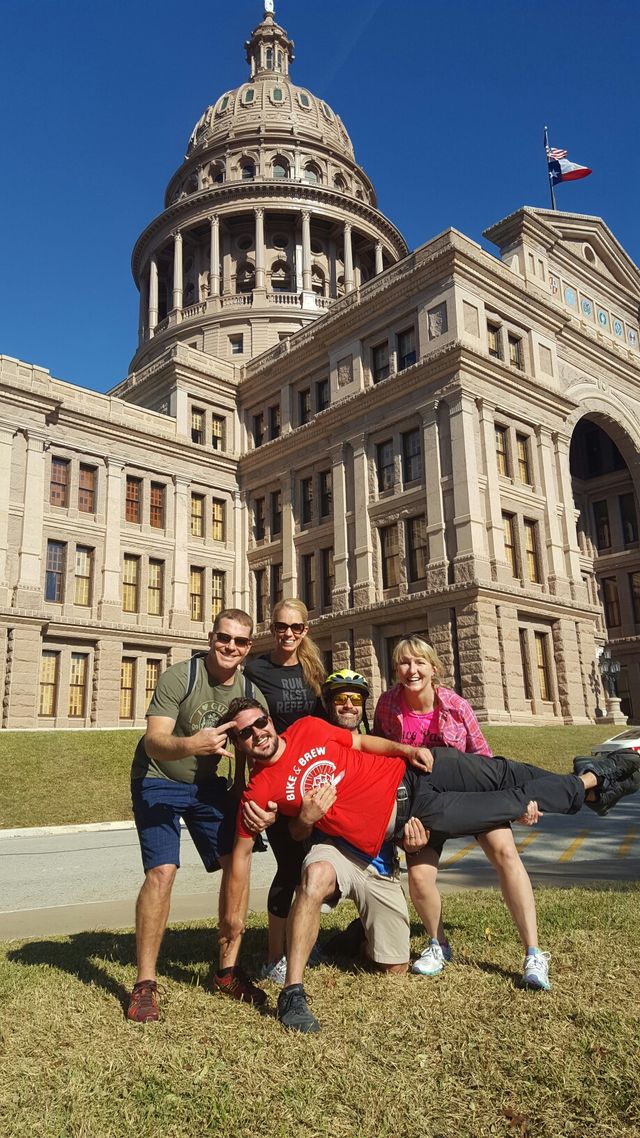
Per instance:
(494,341)
(634,585)
(78,684)
(151,677)
(262,599)
(54,574)
(328,577)
(380,361)
(510,550)
(306,500)
(276,584)
(197,515)
(385,465)
(390,556)
(526,664)
(516,356)
(411,456)
(629,518)
(417,547)
(304,406)
(130,583)
(307,573)
(322,394)
(88,477)
(406,349)
(257,429)
(217,519)
(236,343)
(217,593)
(524,465)
(276,513)
(542,665)
(531,546)
(155,584)
(325,487)
(502,451)
(274,421)
(217,432)
(156,505)
(48,683)
(197,425)
(258,519)
(601,519)
(611,602)
(127,675)
(59,485)
(133,500)
(83,575)
(196,590)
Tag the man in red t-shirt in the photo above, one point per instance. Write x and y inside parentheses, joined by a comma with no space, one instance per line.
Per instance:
(448,791)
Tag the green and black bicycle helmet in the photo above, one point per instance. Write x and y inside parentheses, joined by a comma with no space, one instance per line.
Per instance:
(345,680)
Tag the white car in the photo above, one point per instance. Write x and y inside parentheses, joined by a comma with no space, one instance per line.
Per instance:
(626,741)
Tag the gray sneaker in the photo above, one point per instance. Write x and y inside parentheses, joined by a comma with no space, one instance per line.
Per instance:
(293,1010)
(535,973)
(275,971)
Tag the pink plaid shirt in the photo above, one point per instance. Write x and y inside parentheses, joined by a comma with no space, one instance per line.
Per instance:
(457,723)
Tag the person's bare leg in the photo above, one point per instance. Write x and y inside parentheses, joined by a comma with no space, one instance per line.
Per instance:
(318,883)
(229,951)
(276,938)
(500,848)
(422,869)
(152,914)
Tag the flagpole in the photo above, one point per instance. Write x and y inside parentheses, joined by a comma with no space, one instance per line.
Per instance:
(546,145)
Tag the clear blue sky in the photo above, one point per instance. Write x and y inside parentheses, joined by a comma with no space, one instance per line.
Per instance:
(445,104)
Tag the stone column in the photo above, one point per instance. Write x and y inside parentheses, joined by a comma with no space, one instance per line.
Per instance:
(470,560)
(495,530)
(556,569)
(364,587)
(179,611)
(177,271)
(153,295)
(306,250)
(6,451)
(569,531)
(342,585)
(143,309)
(29,583)
(214,260)
(110,603)
(348,258)
(259,241)
(437,567)
(379,261)
(289,567)
(240,597)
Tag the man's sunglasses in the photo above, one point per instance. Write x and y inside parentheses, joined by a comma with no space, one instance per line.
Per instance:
(297,629)
(353,697)
(239,641)
(246,732)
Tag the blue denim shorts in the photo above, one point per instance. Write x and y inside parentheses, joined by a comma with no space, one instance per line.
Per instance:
(208,810)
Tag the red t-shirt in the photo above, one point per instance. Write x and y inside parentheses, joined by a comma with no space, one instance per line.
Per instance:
(317,752)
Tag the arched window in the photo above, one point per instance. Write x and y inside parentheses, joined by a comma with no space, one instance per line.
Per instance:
(340,183)
(280,167)
(245,277)
(312,173)
(216,172)
(280,276)
(247,169)
(248,97)
(318,280)
(268,58)
(340,286)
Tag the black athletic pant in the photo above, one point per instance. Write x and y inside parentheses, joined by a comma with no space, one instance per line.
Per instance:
(289,856)
(468,794)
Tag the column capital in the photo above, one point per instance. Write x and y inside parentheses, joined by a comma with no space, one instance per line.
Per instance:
(180,481)
(113,463)
(214,220)
(358,442)
(543,433)
(33,436)
(428,412)
(258,211)
(305,214)
(176,234)
(486,408)
(348,226)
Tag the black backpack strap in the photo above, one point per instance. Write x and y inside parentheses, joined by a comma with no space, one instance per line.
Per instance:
(192,673)
(248,688)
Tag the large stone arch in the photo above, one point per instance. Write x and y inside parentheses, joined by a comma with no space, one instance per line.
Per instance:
(614,417)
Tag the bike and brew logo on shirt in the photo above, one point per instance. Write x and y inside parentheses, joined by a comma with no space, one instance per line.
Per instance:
(318,774)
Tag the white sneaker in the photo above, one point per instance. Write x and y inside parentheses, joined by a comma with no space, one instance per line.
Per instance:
(431,961)
(275,972)
(536,971)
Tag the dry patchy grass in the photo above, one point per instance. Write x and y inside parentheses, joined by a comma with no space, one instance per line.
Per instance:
(464,1055)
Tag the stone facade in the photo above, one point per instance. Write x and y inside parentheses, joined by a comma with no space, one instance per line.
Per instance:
(442,441)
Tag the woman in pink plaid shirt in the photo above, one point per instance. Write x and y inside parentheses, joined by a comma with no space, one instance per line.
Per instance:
(419,711)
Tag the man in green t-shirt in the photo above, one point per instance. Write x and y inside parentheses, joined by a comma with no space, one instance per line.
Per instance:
(175,776)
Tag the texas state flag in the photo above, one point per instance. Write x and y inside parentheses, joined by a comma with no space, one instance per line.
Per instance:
(561,170)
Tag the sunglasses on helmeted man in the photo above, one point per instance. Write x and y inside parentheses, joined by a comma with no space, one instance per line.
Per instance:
(246,732)
(239,641)
(297,629)
(353,697)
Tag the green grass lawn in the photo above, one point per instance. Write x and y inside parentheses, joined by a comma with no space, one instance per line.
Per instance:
(464,1055)
(53,777)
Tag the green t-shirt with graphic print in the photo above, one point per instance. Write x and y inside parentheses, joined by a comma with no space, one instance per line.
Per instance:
(205,705)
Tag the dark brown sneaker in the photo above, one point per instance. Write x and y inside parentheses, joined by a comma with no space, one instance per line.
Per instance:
(143,1002)
(238,985)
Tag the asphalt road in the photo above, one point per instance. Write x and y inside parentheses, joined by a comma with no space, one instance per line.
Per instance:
(74,879)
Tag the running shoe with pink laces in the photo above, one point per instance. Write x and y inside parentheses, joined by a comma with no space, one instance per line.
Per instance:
(143,1002)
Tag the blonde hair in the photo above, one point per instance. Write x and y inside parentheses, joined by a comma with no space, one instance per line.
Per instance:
(416,646)
(308,653)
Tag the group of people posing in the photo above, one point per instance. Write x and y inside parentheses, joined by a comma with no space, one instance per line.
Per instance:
(336,801)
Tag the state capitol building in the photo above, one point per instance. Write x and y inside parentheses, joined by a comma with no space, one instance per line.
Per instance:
(443,441)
